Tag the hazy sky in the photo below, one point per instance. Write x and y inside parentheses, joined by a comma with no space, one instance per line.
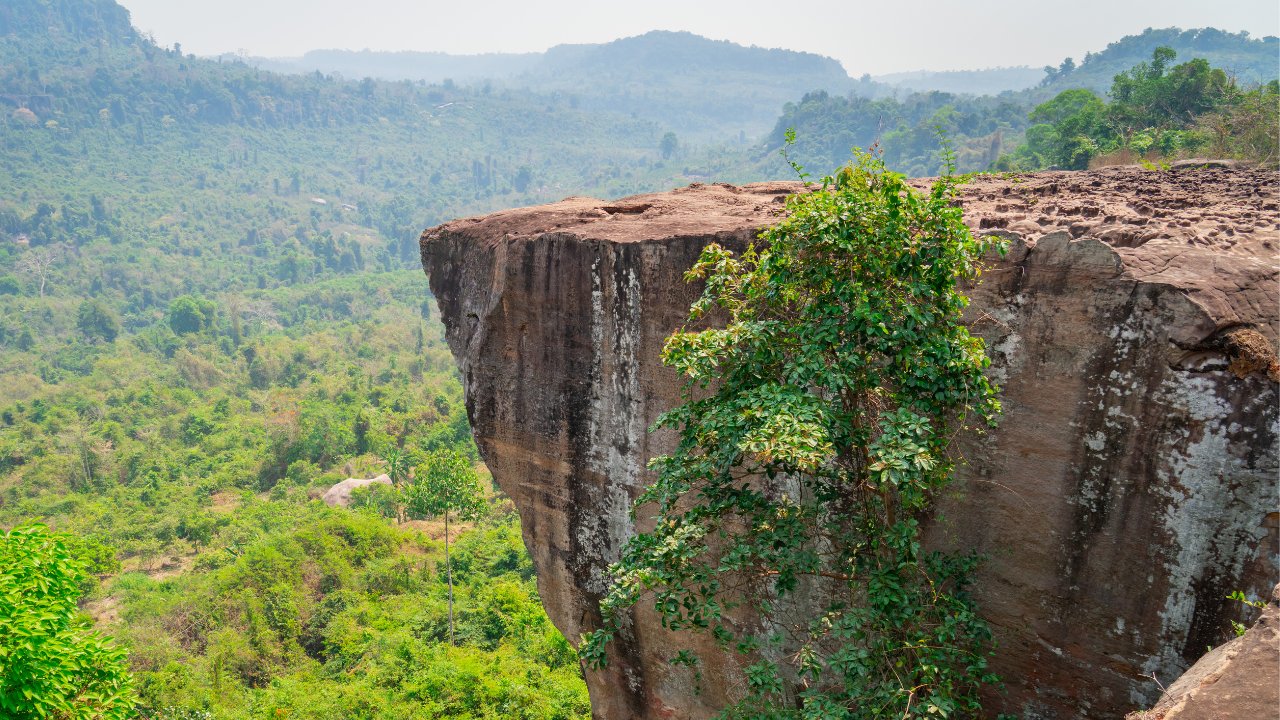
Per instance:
(876,37)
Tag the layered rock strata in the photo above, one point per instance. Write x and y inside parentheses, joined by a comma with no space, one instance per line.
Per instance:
(1130,486)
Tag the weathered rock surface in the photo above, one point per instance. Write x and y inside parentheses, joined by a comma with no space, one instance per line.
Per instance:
(340,494)
(1130,486)
(1240,679)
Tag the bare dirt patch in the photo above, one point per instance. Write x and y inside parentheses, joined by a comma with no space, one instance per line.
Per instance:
(160,568)
(225,501)
(434,529)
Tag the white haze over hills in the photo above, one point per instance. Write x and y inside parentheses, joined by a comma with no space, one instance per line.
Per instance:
(875,38)
(669,62)
(707,89)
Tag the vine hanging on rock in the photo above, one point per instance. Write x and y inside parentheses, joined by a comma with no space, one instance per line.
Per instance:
(815,429)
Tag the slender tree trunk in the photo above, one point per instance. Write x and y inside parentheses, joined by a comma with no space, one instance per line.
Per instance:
(448,565)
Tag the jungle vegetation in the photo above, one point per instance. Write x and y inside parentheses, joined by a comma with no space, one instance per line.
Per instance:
(211,310)
(1154,111)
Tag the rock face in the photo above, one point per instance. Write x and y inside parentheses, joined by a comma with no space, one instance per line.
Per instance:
(1130,486)
(1240,679)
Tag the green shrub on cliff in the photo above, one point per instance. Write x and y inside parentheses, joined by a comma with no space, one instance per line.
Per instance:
(816,429)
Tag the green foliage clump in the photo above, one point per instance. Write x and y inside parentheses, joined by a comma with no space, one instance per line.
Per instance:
(96,321)
(816,429)
(1237,627)
(52,665)
(1246,128)
(1156,110)
(445,483)
(906,130)
(189,314)
(1068,128)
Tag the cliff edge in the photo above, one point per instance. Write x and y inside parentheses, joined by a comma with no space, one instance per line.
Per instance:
(1130,486)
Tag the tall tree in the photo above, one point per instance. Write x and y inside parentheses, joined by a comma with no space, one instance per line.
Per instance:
(190,314)
(1069,129)
(445,483)
(96,321)
(669,145)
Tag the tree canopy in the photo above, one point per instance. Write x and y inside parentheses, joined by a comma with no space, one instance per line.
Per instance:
(96,321)
(445,483)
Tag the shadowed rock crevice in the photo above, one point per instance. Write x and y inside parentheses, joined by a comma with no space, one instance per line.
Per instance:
(1130,485)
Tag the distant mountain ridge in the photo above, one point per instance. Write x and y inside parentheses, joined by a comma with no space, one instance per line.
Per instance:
(706,88)
(78,20)
(431,67)
(1250,60)
(692,84)
(666,51)
(987,81)
(660,51)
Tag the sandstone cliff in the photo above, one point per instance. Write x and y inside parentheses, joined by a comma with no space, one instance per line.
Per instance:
(1131,484)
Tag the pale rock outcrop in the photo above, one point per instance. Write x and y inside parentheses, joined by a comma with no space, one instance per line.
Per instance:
(340,494)
(1130,486)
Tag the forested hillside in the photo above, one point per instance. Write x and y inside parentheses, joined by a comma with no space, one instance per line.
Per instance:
(1155,112)
(709,90)
(911,133)
(211,310)
(1165,104)
(1250,61)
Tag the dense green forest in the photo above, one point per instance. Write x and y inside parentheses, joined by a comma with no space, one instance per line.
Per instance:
(713,90)
(1250,61)
(211,310)
(911,133)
